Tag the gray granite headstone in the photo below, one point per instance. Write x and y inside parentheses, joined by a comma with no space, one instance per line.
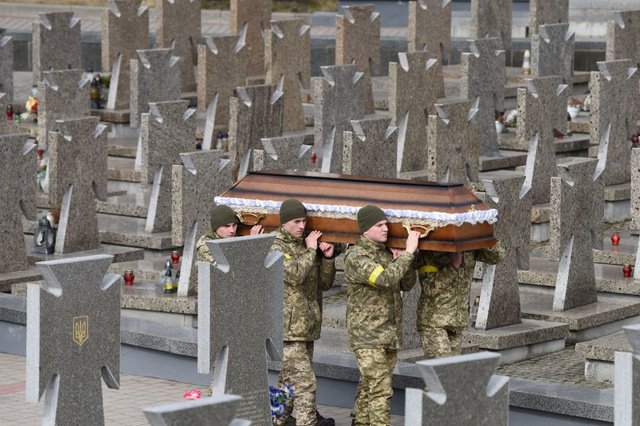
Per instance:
(73,339)
(542,107)
(371,149)
(492,19)
(483,80)
(623,36)
(453,143)
(288,57)
(6,66)
(500,295)
(155,77)
(125,28)
(253,17)
(179,26)
(414,87)
(284,152)
(240,301)
(56,43)
(544,12)
(463,390)
(62,94)
(339,97)
(77,176)
(216,410)
(635,193)
(167,130)
(204,175)
(430,27)
(221,63)
(626,407)
(552,52)
(358,42)
(615,110)
(577,203)
(256,112)
(17,198)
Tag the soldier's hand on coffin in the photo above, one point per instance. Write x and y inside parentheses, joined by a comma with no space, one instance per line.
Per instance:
(327,250)
(396,251)
(412,241)
(312,239)
(256,230)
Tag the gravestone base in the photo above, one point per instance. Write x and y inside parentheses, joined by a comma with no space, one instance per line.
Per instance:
(129,231)
(7,279)
(622,254)
(576,145)
(540,232)
(599,355)
(116,116)
(507,160)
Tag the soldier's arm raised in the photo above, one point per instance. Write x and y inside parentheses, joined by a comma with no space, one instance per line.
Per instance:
(365,270)
(491,255)
(296,268)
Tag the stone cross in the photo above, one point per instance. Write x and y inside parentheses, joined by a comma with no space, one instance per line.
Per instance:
(338,99)
(179,27)
(167,130)
(125,28)
(17,198)
(500,295)
(577,202)
(492,19)
(252,17)
(614,116)
(288,57)
(155,77)
(205,175)
(552,52)
(413,90)
(6,66)
(217,410)
(462,390)
(246,277)
(284,152)
(483,79)
(56,43)
(221,63)
(73,338)
(542,107)
(453,143)
(430,27)
(256,112)
(358,42)
(623,36)
(635,195)
(371,149)
(544,12)
(77,176)
(626,408)
(62,94)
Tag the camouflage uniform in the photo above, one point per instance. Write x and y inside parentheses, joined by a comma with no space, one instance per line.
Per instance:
(374,319)
(305,272)
(203,254)
(443,308)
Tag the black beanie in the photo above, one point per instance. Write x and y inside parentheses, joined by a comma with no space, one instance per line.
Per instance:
(222,215)
(291,209)
(369,216)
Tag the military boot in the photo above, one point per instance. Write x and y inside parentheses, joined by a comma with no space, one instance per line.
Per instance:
(324,421)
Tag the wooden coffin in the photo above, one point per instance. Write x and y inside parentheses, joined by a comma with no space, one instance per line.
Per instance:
(449,216)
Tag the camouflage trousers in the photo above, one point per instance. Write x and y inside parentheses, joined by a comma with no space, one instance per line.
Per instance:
(373,397)
(441,342)
(297,372)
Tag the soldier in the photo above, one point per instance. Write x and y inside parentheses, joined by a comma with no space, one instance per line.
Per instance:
(443,308)
(306,270)
(375,276)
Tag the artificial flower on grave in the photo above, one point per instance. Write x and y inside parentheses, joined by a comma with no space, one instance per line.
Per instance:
(32,105)
(281,403)
(192,394)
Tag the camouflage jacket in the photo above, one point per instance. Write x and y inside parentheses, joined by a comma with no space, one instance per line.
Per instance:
(203,254)
(444,301)
(374,302)
(305,272)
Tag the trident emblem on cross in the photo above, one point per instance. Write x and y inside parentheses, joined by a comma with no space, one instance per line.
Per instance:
(80,329)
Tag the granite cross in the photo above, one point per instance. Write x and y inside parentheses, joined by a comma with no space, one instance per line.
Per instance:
(544,12)
(217,410)
(252,17)
(284,152)
(56,43)
(430,27)
(6,66)
(371,149)
(623,36)
(635,196)
(626,408)
(552,52)
(492,19)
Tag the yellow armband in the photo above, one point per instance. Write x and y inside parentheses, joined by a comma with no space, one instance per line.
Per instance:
(428,269)
(375,274)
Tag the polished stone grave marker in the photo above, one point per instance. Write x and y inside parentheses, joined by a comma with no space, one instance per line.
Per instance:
(552,52)
(544,12)
(492,19)
(430,27)
(6,66)
(358,42)
(339,97)
(155,77)
(77,176)
(56,43)
(483,80)
(635,194)
(627,381)
(246,277)
(253,17)
(125,28)
(17,198)
(453,143)
(179,26)
(217,410)
(462,390)
(414,87)
(577,202)
(203,175)
(73,339)
(285,153)
(615,110)
(371,149)
(623,36)
(288,57)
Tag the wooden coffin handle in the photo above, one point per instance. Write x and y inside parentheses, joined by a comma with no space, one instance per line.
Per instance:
(423,229)
(251,219)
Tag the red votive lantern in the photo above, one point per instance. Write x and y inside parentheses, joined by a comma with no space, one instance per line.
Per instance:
(314,159)
(128,277)
(627,270)
(175,256)
(615,239)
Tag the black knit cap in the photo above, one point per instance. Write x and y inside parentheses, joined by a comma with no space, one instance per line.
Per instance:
(368,216)
(222,215)
(291,209)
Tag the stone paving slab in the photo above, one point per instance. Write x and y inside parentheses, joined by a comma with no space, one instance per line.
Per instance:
(604,348)
(529,332)
(508,160)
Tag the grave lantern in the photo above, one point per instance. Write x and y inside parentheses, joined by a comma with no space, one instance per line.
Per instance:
(44,237)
